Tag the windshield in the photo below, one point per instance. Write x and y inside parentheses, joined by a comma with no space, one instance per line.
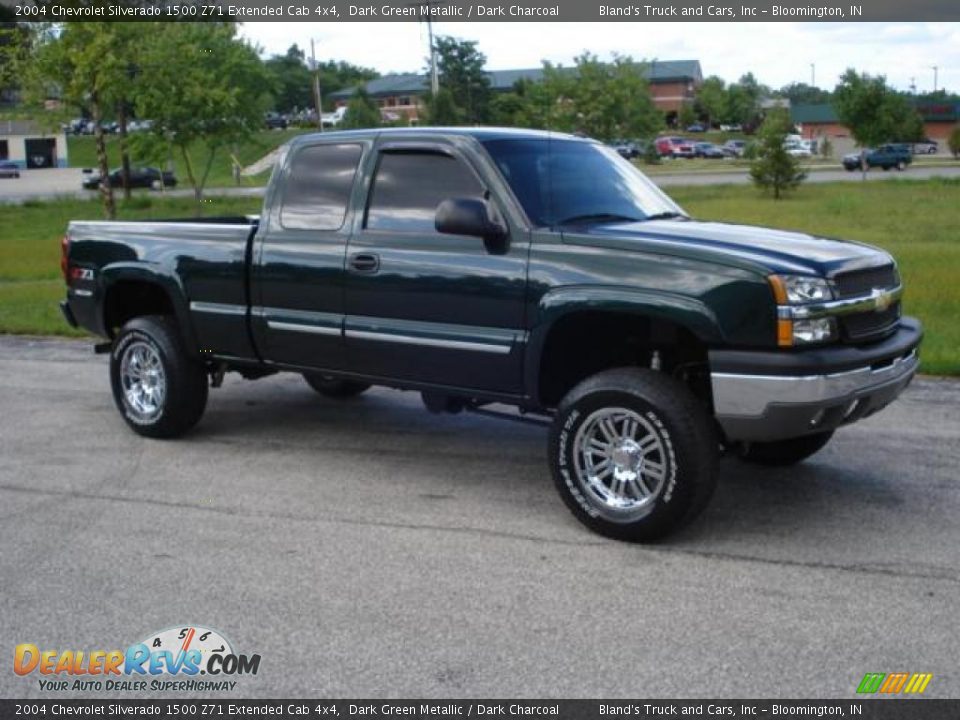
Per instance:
(559,181)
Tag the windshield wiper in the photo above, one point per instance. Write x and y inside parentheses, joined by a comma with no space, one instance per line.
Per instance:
(670,214)
(598,218)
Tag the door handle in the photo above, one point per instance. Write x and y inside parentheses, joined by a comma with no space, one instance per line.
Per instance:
(365,262)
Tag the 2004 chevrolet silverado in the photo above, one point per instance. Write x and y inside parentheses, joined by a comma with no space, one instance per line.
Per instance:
(532,269)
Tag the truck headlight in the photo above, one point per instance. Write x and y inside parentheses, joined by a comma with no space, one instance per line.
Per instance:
(800,289)
(790,291)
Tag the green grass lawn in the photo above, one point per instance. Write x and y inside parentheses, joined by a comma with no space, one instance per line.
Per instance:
(916,220)
(82,152)
(30,282)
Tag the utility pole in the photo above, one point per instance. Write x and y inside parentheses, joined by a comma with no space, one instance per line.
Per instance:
(935,69)
(813,74)
(425,9)
(316,84)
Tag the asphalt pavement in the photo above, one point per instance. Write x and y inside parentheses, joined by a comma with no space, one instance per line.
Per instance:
(369,548)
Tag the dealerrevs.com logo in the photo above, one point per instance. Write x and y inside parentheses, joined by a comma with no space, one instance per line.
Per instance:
(171,660)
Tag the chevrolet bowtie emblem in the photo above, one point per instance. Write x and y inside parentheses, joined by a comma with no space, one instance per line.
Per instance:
(881,299)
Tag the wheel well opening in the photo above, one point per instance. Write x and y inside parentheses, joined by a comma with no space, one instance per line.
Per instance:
(584,343)
(128,299)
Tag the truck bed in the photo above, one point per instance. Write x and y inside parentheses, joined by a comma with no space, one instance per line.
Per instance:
(203,261)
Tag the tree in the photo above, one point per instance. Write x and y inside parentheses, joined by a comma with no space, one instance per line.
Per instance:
(442,108)
(460,66)
(291,80)
(205,91)
(711,98)
(82,63)
(362,112)
(953,142)
(799,93)
(604,100)
(687,116)
(874,112)
(774,168)
(742,104)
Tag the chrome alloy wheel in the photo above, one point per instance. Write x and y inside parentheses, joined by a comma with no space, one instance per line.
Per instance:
(621,462)
(144,381)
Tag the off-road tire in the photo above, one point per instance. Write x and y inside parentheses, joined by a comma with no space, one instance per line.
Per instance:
(185,379)
(785,452)
(670,416)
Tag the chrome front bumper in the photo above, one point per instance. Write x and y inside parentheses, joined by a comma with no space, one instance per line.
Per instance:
(767,407)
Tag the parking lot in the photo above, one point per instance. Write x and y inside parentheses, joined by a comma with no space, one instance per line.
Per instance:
(368,548)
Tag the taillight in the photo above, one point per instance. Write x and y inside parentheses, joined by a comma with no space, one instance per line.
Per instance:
(64,252)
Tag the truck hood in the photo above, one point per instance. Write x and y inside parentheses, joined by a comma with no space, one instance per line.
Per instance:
(747,246)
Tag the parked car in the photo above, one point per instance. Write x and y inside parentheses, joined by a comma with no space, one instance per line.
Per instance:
(708,151)
(925,147)
(484,265)
(731,128)
(626,149)
(9,169)
(674,146)
(140,177)
(891,155)
(734,148)
(275,121)
(697,128)
(797,148)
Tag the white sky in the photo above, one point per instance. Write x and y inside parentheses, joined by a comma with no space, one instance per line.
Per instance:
(777,53)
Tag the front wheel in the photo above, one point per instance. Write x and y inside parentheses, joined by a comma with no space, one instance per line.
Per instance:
(160,391)
(785,452)
(633,454)
(901,165)
(333,387)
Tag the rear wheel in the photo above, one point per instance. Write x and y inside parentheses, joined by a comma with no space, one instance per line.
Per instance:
(633,454)
(330,386)
(160,391)
(785,452)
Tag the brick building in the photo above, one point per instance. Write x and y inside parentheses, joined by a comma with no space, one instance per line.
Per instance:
(672,84)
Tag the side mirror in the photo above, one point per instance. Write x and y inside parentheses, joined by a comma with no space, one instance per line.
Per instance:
(469,216)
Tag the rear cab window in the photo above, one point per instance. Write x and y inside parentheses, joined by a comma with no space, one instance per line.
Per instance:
(318,186)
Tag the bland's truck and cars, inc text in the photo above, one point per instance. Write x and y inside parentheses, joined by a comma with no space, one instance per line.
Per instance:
(532,269)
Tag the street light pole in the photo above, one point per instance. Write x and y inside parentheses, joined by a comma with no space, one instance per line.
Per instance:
(813,74)
(935,69)
(316,84)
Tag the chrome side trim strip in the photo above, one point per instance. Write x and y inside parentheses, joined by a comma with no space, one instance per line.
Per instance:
(428,342)
(748,396)
(218,308)
(297,327)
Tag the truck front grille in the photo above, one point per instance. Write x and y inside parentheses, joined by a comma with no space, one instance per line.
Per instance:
(862,282)
(864,327)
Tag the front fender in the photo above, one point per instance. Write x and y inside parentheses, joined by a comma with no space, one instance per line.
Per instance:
(687,312)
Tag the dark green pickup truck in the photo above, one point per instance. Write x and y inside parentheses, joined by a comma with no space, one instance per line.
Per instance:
(489,266)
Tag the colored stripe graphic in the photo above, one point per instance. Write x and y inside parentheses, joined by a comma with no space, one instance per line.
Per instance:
(893,683)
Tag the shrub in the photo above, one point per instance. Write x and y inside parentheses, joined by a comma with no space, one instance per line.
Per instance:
(774,168)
